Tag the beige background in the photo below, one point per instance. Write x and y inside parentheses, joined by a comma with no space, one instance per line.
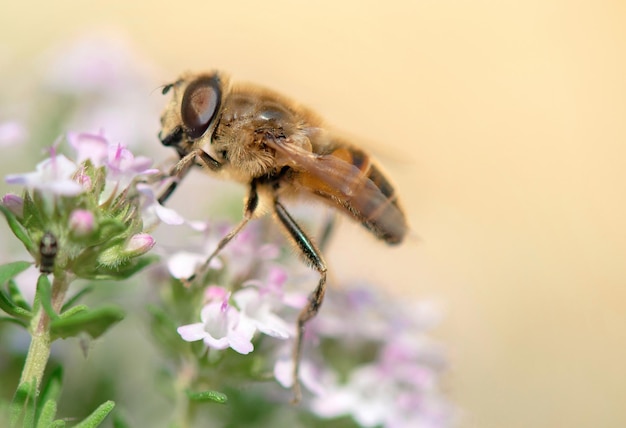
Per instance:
(503,124)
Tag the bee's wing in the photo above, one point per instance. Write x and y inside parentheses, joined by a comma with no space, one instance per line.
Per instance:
(345,184)
(324,173)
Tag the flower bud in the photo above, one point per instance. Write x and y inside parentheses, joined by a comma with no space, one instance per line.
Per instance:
(138,244)
(81,222)
(14,203)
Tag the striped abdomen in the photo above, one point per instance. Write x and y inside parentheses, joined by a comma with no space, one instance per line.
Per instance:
(349,179)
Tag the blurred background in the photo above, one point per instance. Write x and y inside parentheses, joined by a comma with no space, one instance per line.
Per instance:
(503,125)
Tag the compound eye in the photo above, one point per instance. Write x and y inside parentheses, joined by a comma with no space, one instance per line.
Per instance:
(200,104)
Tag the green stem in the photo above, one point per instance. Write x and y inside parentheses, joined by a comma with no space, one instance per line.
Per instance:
(39,350)
(182,412)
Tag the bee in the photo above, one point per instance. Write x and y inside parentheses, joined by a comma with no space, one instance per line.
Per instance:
(279,149)
(48,248)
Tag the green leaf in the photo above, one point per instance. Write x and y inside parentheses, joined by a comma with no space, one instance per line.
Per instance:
(108,228)
(11,270)
(51,391)
(48,412)
(73,311)
(97,416)
(18,230)
(31,214)
(16,296)
(214,396)
(14,321)
(8,306)
(22,412)
(76,297)
(44,296)
(95,322)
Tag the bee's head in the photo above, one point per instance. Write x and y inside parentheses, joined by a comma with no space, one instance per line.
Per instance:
(192,112)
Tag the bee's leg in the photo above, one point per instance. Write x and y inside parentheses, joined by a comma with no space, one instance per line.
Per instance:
(182,168)
(252,204)
(314,258)
(327,230)
(168,191)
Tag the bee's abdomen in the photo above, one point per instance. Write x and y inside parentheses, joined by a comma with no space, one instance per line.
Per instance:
(374,203)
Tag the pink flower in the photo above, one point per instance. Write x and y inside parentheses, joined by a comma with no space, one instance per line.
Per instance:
(220,328)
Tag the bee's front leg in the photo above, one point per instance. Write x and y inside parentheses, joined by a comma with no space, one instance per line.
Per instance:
(252,204)
(182,168)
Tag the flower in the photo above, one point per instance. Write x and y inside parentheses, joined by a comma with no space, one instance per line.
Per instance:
(94,147)
(258,309)
(220,327)
(153,211)
(52,176)
(398,386)
(123,166)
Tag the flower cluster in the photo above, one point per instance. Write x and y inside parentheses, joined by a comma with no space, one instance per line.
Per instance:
(91,205)
(377,365)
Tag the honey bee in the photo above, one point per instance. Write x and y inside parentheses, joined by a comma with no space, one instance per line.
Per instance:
(279,149)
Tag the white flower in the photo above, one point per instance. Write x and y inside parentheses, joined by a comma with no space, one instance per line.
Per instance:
(257,309)
(52,176)
(220,328)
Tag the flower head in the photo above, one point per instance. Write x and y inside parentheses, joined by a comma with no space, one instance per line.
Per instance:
(92,206)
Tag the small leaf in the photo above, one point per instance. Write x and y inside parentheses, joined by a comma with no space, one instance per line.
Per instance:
(73,311)
(95,322)
(97,416)
(7,305)
(16,296)
(107,229)
(44,296)
(14,321)
(23,405)
(51,391)
(11,270)
(48,412)
(214,396)
(18,230)
(32,213)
